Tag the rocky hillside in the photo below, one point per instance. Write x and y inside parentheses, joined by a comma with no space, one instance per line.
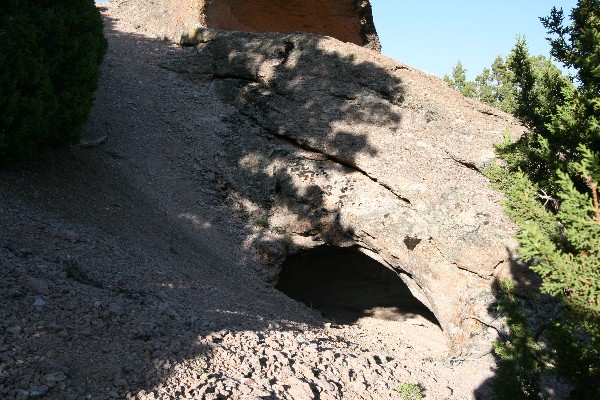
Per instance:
(141,263)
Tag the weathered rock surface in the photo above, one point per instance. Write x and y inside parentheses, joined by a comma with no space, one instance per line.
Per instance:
(336,144)
(349,20)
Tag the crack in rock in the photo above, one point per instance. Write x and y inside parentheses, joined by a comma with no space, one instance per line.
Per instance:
(302,145)
(466,164)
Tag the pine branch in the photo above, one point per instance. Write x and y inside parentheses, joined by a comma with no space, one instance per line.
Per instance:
(594,186)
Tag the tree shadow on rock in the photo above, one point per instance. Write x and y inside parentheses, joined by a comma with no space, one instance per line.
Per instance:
(307,106)
(105,291)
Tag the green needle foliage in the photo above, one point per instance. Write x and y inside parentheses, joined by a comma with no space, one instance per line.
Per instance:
(50,52)
(568,261)
(518,373)
(551,181)
(530,87)
(459,81)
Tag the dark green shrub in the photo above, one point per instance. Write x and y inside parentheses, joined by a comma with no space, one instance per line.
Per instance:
(50,52)
(551,180)
(519,370)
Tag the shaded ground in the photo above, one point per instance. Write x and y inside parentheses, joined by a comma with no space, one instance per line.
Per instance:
(124,273)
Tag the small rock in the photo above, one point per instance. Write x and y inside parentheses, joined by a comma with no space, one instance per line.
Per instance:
(120,382)
(447,392)
(14,330)
(273,325)
(302,339)
(37,285)
(382,385)
(14,292)
(115,309)
(272,343)
(299,390)
(327,386)
(30,330)
(85,332)
(21,395)
(39,303)
(327,396)
(358,386)
(54,377)
(382,359)
(71,236)
(38,391)
(53,326)
(212,325)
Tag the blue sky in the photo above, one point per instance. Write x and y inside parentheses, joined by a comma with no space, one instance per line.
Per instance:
(432,35)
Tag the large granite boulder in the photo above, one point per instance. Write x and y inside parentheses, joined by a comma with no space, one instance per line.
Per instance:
(336,144)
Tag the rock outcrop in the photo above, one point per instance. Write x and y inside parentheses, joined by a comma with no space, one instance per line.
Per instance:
(335,144)
(339,145)
(349,20)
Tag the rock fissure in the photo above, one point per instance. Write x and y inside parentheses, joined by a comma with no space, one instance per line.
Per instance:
(244,78)
(392,95)
(466,164)
(431,241)
(489,112)
(304,146)
(496,325)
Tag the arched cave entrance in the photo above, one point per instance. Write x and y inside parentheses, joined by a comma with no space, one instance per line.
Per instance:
(345,285)
(348,20)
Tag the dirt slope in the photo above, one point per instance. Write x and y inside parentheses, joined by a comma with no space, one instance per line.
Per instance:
(124,274)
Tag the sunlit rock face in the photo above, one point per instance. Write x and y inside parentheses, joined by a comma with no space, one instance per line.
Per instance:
(348,20)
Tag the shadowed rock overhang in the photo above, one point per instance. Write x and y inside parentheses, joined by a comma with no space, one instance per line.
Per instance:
(337,145)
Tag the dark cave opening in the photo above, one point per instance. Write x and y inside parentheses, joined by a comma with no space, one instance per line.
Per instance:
(345,285)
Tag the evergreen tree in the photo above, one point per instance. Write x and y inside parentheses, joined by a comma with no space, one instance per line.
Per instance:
(529,87)
(496,87)
(551,182)
(459,81)
(50,52)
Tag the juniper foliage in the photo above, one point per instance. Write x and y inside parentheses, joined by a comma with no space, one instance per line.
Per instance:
(50,52)
(551,182)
